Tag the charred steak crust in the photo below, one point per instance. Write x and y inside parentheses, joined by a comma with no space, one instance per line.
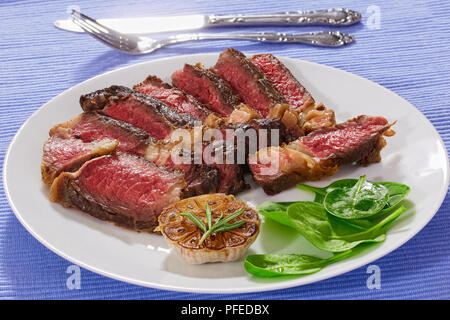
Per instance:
(174,97)
(281,77)
(263,89)
(207,87)
(100,99)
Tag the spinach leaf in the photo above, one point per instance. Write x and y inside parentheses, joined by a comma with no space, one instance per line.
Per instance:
(328,233)
(273,265)
(397,191)
(363,200)
(276,211)
(321,192)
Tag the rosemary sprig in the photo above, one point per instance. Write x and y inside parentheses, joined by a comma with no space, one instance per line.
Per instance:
(219,226)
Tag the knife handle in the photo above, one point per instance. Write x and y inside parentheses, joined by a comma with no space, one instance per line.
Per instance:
(321,38)
(335,17)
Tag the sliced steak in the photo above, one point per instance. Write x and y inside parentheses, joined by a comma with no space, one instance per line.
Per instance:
(125,189)
(142,111)
(175,98)
(207,87)
(281,77)
(61,155)
(248,81)
(320,154)
(347,142)
(312,117)
(91,126)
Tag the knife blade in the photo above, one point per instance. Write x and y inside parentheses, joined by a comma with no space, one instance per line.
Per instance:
(146,25)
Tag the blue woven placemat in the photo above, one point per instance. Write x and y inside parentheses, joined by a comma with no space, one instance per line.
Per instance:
(402,45)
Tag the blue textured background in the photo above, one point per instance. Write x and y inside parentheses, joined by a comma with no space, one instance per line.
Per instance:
(409,54)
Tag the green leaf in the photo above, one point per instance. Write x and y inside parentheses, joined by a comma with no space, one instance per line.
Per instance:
(276,211)
(363,200)
(328,233)
(321,192)
(273,265)
(397,191)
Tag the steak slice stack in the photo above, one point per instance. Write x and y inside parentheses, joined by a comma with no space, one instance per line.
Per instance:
(175,98)
(93,127)
(320,154)
(60,155)
(123,188)
(142,111)
(208,88)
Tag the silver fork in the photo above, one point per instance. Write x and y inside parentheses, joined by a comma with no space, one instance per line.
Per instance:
(141,45)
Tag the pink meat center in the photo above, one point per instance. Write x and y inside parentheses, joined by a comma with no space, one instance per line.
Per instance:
(90,130)
(244,86)
(130,184)
(201,90)
(340,140)
(288,87)
(134,112)
(173,98)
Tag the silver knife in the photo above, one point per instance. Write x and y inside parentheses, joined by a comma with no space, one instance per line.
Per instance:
(146,25)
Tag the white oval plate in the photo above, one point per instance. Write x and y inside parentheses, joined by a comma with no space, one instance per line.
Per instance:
(415,156)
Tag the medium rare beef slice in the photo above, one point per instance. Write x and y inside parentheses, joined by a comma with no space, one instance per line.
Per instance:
(125,189)
(142,111)
(281,77)
(320,154)
(175,98)
(67,155)
(248,81)
(207,87)
(312,117)
(347,142)
(92,126)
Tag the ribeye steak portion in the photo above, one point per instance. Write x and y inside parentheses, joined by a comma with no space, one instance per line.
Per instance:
(208,88)
(67,155)
(320,154)
(248,81)
(140,110)
(92,126)
(174,97)
(281,77)
(125,189)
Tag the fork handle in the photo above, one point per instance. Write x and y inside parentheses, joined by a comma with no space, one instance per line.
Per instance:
(336,17)
(322,38)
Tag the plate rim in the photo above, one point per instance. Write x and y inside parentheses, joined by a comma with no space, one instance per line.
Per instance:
(261,287)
